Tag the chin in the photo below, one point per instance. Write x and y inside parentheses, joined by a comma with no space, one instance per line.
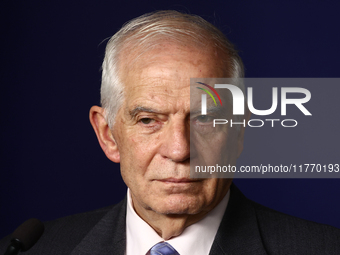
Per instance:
(178,204)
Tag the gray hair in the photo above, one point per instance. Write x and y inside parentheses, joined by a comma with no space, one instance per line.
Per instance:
(145,31)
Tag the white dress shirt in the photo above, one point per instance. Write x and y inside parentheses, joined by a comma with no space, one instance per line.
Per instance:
(196,239)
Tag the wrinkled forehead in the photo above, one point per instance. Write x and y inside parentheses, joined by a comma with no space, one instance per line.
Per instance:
(161,75)
(136,57)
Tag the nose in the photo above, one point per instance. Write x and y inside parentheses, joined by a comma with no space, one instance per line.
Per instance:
(176,143)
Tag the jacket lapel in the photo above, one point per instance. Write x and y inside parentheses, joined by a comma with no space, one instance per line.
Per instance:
(238,232)
(107,236)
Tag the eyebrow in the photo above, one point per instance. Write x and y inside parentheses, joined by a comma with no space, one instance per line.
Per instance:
(214,109)
(139,109)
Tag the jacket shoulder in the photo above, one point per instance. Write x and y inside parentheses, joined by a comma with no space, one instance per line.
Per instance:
(62,235)
(286,234)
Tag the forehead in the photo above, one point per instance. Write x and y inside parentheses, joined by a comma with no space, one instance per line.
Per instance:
(171,62)
(165,70)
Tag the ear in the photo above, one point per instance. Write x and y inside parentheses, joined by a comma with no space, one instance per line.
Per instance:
(241,134)
(104,134)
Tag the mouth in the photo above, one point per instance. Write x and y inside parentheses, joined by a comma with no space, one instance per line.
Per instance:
(179,180)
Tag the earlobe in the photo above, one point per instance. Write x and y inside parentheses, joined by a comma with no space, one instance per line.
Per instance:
(103,132)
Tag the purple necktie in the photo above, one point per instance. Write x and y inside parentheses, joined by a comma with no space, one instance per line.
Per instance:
(163,248)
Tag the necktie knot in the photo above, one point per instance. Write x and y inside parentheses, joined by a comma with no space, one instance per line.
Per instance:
(163,248)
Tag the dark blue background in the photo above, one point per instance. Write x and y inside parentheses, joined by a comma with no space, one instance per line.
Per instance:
(51,52)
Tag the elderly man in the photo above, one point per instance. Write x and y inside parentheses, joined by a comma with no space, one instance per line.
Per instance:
(144,124)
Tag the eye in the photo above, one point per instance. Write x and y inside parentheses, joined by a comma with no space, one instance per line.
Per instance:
(204,118)
(146,120)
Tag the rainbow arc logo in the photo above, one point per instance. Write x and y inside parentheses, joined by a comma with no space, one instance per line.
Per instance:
(209,93)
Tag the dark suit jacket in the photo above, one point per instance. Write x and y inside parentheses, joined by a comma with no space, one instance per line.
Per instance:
(246,228)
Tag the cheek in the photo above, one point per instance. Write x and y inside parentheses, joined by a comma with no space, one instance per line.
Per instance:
(214,189)
(217,148)
(226,143)
(139,149)
(137,154)
(210,188)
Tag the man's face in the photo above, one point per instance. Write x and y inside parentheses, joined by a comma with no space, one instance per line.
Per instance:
(152,130)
